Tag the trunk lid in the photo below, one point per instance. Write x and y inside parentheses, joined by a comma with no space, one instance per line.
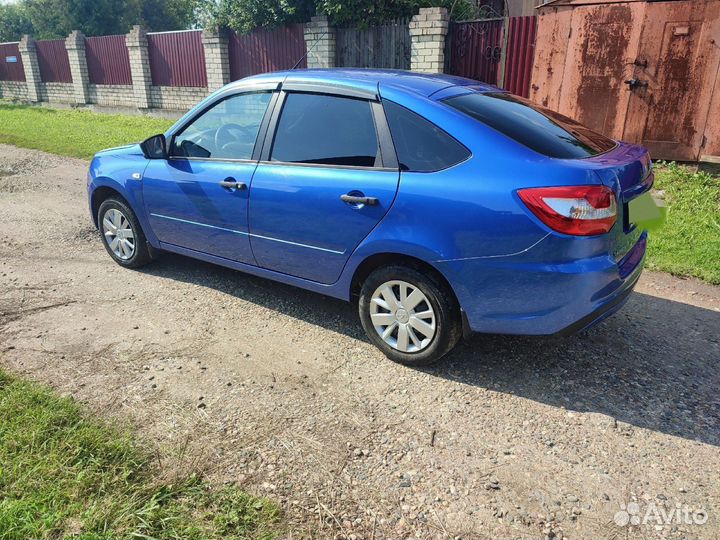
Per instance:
(627,169)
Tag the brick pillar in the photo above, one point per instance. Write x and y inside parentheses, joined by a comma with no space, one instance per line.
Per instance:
(75,45)
(427,35)
(320,43)
(31,66)
(217,59)
(136,42)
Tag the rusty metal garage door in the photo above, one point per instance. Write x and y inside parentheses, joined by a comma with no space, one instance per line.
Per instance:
(639,71)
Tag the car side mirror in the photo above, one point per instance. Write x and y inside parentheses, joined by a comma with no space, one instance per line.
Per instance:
(155,147)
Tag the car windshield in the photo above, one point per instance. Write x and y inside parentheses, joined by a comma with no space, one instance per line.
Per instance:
(540,129)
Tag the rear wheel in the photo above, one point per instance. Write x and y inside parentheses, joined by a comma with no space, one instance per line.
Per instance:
(121,233)
(409,315)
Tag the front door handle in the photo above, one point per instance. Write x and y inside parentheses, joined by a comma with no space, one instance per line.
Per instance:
(356,199)
(231,183)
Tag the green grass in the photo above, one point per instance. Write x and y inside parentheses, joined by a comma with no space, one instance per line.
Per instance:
(689,242)
(73,133)
(64,474)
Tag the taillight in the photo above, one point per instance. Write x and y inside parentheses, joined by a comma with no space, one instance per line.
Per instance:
(576,210)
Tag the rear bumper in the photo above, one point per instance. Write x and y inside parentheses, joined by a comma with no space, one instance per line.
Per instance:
(545,299)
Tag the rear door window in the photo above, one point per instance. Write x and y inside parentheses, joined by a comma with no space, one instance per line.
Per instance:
(540,129)
(326,130)
(420,145)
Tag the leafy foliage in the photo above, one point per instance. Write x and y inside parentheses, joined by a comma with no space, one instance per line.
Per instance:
(14,22)
(54,19)
(245,15)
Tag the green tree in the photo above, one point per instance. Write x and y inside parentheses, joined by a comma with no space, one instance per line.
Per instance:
(161,15)
(53,19)
(245,15)
(14,22)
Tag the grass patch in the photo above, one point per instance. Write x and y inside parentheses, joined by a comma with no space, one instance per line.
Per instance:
(73,133)
(689,242)
(64,474)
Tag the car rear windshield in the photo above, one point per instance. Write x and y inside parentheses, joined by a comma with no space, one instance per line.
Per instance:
(540,129)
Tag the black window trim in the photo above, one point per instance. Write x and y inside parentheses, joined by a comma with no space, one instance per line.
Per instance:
(269,89)
(469,152)
(382,131)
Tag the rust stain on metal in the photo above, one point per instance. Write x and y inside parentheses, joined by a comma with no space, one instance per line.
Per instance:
(642,71)
(603,54)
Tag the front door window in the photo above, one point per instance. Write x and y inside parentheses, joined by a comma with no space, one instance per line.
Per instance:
(226,131)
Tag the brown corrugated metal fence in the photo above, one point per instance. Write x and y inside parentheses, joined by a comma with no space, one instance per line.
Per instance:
(11,65)
(108,61)
(177,58)
(53,61)
(520,51)
(261,51)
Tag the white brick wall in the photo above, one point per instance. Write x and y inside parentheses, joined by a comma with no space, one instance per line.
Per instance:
(13,90)
(320,43)
(111,95)
(177,98)
(428,30)
(55,92)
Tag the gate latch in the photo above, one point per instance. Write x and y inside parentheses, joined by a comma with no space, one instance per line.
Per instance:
(636,83)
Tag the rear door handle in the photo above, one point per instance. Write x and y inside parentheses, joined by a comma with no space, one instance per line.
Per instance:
(356,199)
(231,183)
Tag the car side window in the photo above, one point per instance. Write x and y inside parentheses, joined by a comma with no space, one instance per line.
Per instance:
(420,145)
(326,130)
(228,130)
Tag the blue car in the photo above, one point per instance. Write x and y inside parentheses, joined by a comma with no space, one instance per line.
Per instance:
(440,205)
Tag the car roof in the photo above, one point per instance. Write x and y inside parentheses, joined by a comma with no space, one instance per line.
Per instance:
(368,80)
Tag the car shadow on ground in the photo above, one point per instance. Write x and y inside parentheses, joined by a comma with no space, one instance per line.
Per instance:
(653,365)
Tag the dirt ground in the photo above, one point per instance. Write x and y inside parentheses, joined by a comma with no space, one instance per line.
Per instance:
(277,389)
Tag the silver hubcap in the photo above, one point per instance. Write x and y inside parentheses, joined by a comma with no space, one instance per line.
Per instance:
(118,234)
(402,316)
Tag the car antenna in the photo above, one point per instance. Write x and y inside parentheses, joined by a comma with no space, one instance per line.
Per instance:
(308,51)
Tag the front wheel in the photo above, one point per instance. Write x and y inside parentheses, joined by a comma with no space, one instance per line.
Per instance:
(121,233)
(409,315)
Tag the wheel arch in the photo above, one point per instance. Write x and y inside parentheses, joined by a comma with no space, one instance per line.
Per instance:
(378,260)
(102,193)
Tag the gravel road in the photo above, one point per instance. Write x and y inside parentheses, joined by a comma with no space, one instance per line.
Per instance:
(277,389)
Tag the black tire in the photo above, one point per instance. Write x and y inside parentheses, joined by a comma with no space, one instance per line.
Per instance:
(141,254)
(448,324)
